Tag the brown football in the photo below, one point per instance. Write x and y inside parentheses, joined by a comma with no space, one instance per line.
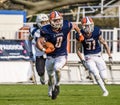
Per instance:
(48,45)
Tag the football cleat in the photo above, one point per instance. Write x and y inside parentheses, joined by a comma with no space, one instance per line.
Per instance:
(106,93)
(49,94)
(55,92)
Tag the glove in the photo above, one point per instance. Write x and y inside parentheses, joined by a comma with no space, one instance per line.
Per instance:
(84,64)
(110,60)
(81,38)
(48,47)
(49,50)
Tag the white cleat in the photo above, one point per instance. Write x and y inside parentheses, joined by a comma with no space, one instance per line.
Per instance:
(105,93)
(49,94)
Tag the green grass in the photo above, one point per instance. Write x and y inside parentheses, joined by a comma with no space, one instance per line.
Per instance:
(70,95)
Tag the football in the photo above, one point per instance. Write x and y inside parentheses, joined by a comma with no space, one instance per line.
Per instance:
(49,47)
(48,44)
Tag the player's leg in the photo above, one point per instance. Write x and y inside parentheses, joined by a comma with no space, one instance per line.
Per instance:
(59,63)
(51,83)
(101,84)
(93,69)
(102,68)
(40,67)
(33,52)
(51,74)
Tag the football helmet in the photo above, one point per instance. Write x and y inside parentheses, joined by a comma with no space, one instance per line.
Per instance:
(56,20)
(41,20)
(87,25)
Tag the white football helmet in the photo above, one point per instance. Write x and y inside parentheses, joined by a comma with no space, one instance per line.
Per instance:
(41,20)
(87,24)
(56,20)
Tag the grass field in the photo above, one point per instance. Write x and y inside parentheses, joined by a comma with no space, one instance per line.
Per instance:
(70,95)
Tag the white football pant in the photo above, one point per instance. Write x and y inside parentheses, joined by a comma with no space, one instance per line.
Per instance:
(96,63)
(53,67)
(98,68)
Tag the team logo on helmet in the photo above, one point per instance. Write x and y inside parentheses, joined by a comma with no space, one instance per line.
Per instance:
(55,15)
(87,24)
(87,21)
(56,19)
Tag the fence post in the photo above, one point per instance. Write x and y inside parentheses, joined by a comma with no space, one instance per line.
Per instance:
(115,40)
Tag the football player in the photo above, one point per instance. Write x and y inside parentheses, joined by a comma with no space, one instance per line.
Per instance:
(39,56)
(92,52)
(56,33)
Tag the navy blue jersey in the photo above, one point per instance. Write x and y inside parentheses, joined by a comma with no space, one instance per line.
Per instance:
(59,39)
(91,45)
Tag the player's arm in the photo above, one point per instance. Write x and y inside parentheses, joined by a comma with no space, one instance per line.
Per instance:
(77,29)
(78,45)
(101,39)
(80,55)
(44,46)
(40,42)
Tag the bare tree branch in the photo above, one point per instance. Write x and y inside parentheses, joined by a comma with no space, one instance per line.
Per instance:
(40,6)
(54,5)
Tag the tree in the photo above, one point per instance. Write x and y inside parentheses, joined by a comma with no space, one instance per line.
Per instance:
(35,6)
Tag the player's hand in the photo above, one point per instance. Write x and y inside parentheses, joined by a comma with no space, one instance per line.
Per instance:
(81,38)
(110,60)
(84,64)
(49,47)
